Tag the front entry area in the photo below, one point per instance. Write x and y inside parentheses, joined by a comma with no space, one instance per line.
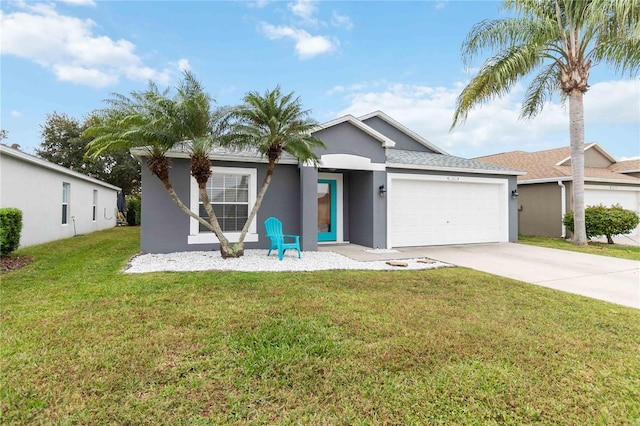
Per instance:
(327,210)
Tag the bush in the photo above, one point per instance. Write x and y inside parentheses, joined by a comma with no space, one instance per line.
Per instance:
(133,211)
(607,221)
(10,229)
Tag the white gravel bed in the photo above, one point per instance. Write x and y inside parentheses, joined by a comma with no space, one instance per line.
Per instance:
(257,260)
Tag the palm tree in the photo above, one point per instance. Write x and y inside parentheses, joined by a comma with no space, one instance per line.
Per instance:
(156,122)
(272,124)
(560,40)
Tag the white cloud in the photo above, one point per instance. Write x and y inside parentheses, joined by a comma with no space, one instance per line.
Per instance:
(307,45)
(15,113)
(70,48)
(184,65)
(305,9)
(613,102)
(441,4)
(79,2)
(258,4)
(495,126)
(341,21)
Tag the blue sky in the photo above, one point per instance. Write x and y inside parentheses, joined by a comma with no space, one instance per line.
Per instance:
(340,57)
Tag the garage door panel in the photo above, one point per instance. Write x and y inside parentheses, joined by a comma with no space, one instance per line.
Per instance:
(608,196)
(426,212)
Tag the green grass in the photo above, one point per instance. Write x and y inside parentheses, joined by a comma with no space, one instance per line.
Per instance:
(611,250)
(83,343)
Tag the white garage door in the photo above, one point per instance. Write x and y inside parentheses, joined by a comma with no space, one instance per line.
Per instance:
(437,210)
(609,195)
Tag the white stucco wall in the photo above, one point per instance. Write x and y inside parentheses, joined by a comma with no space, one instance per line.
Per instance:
(35,187)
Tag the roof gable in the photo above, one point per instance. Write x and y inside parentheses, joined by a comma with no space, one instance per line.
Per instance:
(594,156)
(402,129)
(385,141)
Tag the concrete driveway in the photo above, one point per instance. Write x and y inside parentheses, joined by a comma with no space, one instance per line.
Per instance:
(600,277)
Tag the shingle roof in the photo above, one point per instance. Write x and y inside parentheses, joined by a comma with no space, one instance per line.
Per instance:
(430,161)
(626,166)
(542,165)
(222,153)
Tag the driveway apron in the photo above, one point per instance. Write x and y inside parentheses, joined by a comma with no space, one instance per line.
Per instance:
(600,277)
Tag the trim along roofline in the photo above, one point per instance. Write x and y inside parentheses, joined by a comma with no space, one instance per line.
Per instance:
(570,179)
(386,142)
(139,153)
(586,148)
(16,153)
(454,169)
(403,129)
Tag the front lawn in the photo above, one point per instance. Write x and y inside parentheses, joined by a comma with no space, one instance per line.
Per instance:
(611,250)
(83,343)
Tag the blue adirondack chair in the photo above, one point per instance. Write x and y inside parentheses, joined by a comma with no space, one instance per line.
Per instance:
(274,232)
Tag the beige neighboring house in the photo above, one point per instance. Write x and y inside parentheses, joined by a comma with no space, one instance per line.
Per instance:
(56,202)
(545,191)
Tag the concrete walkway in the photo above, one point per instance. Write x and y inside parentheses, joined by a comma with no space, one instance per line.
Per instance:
(600,277)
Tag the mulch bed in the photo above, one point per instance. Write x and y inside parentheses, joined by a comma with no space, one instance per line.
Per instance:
(13,263)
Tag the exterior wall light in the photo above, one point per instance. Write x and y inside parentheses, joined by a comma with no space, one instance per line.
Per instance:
(382,190)
(514,194)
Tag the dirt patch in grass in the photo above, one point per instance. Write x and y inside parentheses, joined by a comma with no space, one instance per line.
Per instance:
(12,263)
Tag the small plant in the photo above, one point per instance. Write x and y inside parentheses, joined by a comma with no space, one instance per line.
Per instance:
(607,221)
(133,211)
(10,229)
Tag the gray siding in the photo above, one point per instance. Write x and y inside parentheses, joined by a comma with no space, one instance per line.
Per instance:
(540,209)
(402,140)
(345,138)
(360,211)
(309,208)
(165,227)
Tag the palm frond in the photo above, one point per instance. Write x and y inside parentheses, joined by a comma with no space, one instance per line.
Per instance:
(540,90)
(496,77)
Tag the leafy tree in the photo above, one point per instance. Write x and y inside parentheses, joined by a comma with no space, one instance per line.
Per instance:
(559,40)
(64,144)
(4,134)
(272,124)
(607,221)
(158,122)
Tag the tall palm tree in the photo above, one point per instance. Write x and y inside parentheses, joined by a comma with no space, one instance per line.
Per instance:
(156,122)
(272,124)
(560,40)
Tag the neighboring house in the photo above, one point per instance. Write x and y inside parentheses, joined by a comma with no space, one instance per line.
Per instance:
(546,192)
(56,202)
(379,185)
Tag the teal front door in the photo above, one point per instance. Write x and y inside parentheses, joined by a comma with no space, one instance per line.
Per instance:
(327,217)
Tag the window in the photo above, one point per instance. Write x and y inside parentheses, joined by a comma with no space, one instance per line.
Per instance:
(65,202)
(232,193)
(94,211)
(229,196)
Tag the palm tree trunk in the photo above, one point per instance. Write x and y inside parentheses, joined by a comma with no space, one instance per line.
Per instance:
(225,248)
(259,198)
(181,205)
(576,133)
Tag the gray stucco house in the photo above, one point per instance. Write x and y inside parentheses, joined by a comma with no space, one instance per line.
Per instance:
(379,185)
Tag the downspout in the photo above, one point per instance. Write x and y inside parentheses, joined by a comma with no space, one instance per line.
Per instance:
(563,206)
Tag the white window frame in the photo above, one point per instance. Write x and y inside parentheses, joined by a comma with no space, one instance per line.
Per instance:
(197,237)
(94,207)
(66,196)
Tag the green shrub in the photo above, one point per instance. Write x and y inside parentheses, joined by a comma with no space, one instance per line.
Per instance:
(10,229)
(133,211)
(607,221)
